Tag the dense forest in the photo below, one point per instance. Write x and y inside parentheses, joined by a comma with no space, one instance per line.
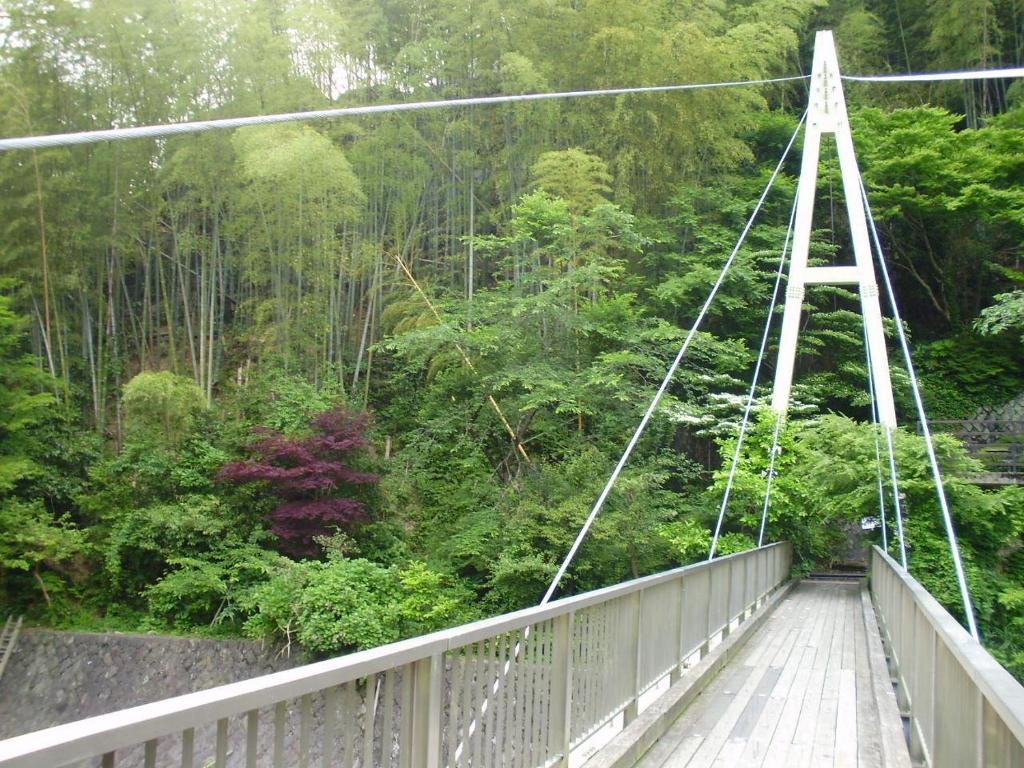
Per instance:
(337,382)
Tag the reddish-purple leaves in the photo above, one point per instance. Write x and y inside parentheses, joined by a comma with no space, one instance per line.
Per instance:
(309,476)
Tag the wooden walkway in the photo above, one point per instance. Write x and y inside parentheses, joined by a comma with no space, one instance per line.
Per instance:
(810,688)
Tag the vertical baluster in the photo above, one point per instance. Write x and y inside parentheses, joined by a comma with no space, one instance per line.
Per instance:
(221,759)
(561,682)
(532,752)
(150,754)
(468,702)
(188,737)
(279,718)
(514,667)
(330,737)
(580,646)
(387,728)
(305,726)
(108,760)
(252,742)
(480,672)
(350,715)
(496,680)
(501,697)
(407,715)
(547,670)
(454,690)
(635,659)
(369,718)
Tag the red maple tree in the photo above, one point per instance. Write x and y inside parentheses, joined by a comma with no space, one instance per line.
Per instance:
(310,476)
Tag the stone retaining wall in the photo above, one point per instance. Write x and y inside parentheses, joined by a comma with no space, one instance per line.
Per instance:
(57,677)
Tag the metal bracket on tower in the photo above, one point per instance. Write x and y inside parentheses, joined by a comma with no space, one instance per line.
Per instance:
(826,114)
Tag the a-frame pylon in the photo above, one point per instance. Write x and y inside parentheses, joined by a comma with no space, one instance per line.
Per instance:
(826,114)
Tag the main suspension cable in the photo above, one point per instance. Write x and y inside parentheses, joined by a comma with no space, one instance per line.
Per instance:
(934,77)
(940,490)
(753,384)
(201,126)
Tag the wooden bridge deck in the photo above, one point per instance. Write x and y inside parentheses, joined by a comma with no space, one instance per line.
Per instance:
(810,688)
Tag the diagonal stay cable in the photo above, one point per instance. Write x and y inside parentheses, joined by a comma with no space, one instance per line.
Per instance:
(940,491)
(753,384)
(878,463)
(671,372)
(771,474)
(201,126)
(495,687)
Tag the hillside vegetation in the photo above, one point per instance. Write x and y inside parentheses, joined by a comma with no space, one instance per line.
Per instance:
(340,382)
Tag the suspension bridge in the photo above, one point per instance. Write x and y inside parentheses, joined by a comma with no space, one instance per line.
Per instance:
(727,662)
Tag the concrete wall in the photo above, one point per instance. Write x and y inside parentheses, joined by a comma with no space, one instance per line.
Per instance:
(58,677)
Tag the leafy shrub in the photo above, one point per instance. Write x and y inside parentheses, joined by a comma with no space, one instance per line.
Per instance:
(349,604)
(158,407)
(309,476)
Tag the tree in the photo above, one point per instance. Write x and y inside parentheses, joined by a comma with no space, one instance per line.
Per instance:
(159,406)
(576,176)
(32,539)
(1006,314)
(310,476)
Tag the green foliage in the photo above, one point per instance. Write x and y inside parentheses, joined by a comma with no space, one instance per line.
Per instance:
(430,600)
(579,178)
(1006,314)
(950,206)
(690,539)
(964,372)
(349,604)
(33,539)
(159,406)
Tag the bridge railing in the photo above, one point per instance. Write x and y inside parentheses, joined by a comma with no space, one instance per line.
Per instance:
(520,689)
(965,709)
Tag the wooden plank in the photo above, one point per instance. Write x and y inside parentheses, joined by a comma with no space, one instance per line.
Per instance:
(800,658)
(894,746)
(708,734)
(729,754)
(684,738)
(819,719)
(846,721)
(719,734)
(824,745)
(869,744)
(795,729)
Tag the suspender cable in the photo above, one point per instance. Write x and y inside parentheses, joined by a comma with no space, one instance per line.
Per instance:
(878,450)
(668,376)
(947,518)
(775,444)
(891,458)
(897,505)
(200,126)
(753,387)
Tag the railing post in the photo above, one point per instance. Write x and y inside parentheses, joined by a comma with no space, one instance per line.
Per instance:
(677,670)
(632,708)
(730,564)
(560,728)
(705,647)
(426,685)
